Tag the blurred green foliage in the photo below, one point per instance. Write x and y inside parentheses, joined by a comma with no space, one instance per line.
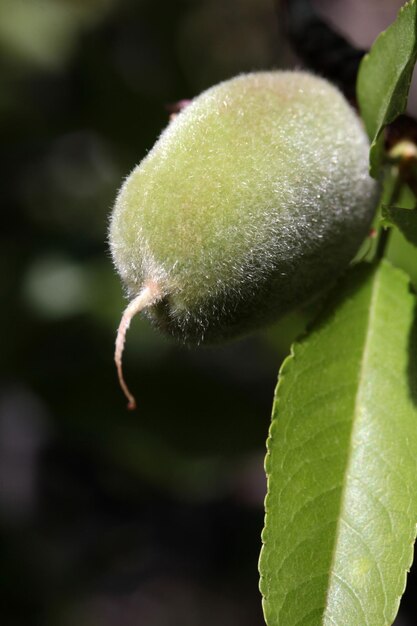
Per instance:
(102,510)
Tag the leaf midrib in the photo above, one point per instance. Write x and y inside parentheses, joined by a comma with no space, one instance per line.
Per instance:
(355,422)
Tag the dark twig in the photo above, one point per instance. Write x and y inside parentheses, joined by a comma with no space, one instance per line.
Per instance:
(319,46)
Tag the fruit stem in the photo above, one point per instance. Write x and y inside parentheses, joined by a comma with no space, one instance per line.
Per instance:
(385,232)
(382,242)
(149,295)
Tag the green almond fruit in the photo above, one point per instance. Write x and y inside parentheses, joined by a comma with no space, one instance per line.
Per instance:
(254,198)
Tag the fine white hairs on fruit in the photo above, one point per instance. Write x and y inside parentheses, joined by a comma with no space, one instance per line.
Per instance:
(252,201)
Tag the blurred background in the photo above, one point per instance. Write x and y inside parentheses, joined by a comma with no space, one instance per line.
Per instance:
(107,517)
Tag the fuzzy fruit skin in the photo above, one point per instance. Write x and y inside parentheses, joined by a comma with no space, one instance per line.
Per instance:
(253,199)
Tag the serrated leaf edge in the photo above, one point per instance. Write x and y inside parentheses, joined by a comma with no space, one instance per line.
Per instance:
(286,364)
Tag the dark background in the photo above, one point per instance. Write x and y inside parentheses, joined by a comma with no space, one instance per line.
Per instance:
(108,517)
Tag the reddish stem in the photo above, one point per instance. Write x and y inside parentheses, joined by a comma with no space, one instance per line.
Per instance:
(149,295)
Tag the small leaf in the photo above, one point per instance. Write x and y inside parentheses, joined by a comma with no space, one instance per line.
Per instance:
(404,219)
(341,508)
(384,78)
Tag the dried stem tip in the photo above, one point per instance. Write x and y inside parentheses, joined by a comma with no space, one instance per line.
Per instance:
(149,295)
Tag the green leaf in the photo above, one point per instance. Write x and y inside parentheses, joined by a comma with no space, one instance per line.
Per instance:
(341,508)
(404,219)
(384,78)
